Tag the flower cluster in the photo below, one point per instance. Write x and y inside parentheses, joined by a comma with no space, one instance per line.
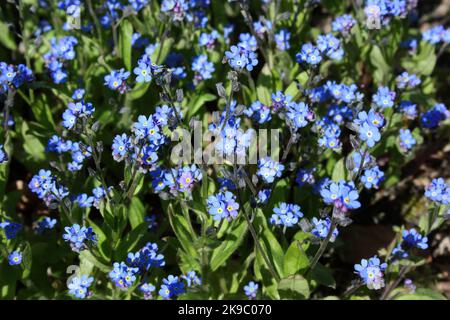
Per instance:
(116,80)
(202,68)
(343,195)
(78,151)
(321,228)
(79,286)
(410,239)
(385,10)
(407,141)
(141,148)
(240,57)
(372,177)
(371,272)
(223,206)
(438,191)
(407,81)
(326,46)
(44,224)
(286,214)
(384,98)
(13,76)
(343,24)
(146,258)
(79,237)
(61,50)
(269,169)
(46,187)
(437,35)
(176,180)
(122,275)
(433,117)
(369,126)
(10,228)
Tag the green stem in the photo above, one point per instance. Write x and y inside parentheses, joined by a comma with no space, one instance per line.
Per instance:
(323,244)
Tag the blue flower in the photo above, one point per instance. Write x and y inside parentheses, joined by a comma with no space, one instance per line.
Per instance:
(384,98)
(15,258)
(203,68)
(286,214)
(372,177)
(309,54)
(192,279)
(248,42)
(321,227)
(371,272)
(79,237)
(147,257)
(258,112)
(208,40)
(432,118)
(45,223)
(434,35)
(407,81)
(122,275)
(120,147)
(299,114)
(263,196)
(411,238)
(78,94)
(269,169)
(343,24)
(10,228)
(369,133)
(116,80)
(222,205)
(79,286)
(305,176)
(240,58)
(3,155)
(147,289)
(407,141)
(84,201)
(282,38)
(438,191)
(251,290)
(143,73)
(343,195)
(172,287)
(61,50)
(409,109)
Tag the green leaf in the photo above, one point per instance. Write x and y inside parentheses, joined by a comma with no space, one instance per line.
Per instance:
(294,287)
(7,39)
(339,171)
(125,49)
(87,255)
(136,213)
(161,52)
(31,144)
(421,294)
(181,228)
(231,241)
(199,101)
(132,239)
(295,259)
(424,62)
(322,275)
(138,91)
(382,68)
